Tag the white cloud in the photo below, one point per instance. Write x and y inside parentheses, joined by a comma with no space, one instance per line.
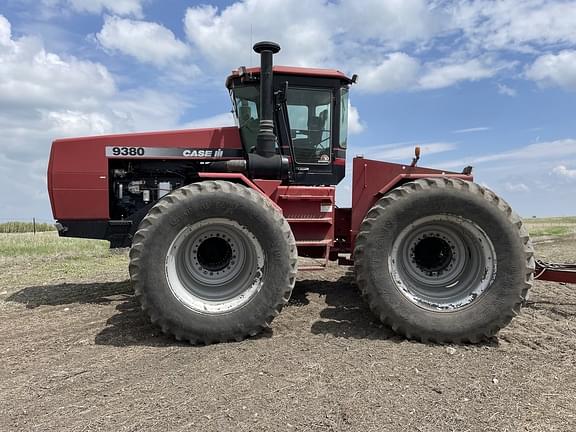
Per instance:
(398,71)
(446,74)
(523,25)
(44,96)
(391,22)
(148,42)
(385,42)
(225,37)
(31,76)
(473,129)
(555,69)
(563,171)
(315,33)
(118,7)
(503,89)
(355,125)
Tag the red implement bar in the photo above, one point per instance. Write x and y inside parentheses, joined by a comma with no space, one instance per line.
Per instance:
(555,272)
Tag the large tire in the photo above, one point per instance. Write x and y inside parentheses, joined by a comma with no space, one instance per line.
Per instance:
(443,260)
(213,261)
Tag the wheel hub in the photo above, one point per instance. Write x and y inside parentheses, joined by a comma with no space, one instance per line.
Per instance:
(215,266)
(214,253)
(432,254)
(442,262)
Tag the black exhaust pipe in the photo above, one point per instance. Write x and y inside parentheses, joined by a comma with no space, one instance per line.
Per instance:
(266,140)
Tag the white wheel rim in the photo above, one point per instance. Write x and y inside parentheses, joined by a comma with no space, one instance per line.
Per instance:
(214,266)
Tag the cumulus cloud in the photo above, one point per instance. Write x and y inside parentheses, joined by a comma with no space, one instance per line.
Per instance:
(398,21)
(320,34)
(31,76)
(522,25)
(555,69)
(44,96)
(148,42)
(224,37)
(355,125)
(446,74)
(397,71)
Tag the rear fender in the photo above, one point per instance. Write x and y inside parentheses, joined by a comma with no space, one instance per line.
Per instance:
(373,179)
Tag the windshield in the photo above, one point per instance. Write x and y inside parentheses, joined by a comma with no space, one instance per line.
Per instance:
(310,115)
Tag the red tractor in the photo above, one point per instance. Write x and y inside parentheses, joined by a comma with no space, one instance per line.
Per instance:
(216,218)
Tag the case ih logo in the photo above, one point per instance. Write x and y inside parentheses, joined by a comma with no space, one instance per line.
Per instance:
(203,153)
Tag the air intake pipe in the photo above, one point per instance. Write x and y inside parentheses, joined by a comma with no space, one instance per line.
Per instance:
(266,162)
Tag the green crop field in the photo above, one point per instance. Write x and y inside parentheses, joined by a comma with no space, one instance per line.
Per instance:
(551,227)
(24,227)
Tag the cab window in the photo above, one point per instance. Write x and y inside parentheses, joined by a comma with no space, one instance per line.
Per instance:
(246,100)
(310,116)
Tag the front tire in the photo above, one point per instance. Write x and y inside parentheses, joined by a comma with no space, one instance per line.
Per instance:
(213,261)
(443,260)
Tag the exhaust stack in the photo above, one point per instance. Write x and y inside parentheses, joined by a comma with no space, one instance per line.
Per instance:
(266,140)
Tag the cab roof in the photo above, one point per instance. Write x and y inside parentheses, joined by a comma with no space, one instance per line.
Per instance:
(291,70)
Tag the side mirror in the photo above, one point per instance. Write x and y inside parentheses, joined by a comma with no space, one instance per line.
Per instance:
(416,156)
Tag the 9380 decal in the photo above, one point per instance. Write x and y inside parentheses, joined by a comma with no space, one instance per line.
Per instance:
(127,151)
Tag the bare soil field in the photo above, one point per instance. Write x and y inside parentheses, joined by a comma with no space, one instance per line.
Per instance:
(77,354)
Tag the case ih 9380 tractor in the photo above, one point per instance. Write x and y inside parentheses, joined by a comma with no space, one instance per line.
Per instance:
(216,218)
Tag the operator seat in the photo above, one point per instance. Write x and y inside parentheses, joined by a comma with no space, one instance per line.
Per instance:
(306,149)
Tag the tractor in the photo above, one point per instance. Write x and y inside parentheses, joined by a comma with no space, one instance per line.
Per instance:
(217,218)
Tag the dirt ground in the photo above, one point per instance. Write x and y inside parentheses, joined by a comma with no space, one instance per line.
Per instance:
(77,354)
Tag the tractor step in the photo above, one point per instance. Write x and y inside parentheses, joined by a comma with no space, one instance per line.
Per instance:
(313,243)
(309,220)
(307,197)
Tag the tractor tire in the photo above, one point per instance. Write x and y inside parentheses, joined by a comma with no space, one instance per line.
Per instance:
(213,261)
(443,260)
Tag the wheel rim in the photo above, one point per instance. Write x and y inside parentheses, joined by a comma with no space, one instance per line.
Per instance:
(442,262)
(215,266)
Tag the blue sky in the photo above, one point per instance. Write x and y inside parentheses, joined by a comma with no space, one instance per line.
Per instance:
(486,83)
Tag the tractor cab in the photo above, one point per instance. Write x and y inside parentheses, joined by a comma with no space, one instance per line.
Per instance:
(310,118)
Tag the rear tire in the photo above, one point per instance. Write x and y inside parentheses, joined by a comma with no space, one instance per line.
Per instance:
(443,260)
(213,261)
